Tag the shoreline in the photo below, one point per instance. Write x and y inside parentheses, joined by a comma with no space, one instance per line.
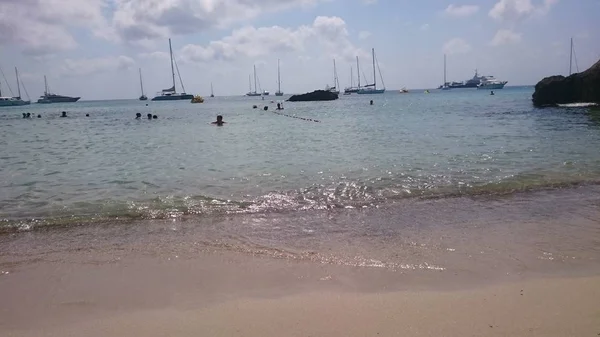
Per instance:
(447,267)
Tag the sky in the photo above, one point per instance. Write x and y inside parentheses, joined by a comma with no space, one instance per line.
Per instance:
(94,48)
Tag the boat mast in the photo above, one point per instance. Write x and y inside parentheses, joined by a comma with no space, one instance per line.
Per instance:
(172,67)
(374,75)
(278,78)
(18,85)
(571,58)
(358,71)
(255,79)
(211,90)
(141,84)
(444,71)
(45,86)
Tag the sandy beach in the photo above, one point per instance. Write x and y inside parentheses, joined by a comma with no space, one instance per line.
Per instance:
(525,265)
(544,307)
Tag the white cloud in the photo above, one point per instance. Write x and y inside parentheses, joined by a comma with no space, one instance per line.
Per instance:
(514,10)
(456,46)
(41,27)
(155,55)
(504,37)
(250,42)
(153,19)
(425,26)
(87,66)
(364,35)
(461,11)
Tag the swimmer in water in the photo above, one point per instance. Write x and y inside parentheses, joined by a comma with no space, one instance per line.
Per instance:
(371,102)
(138,115)
(219,121)
(64,114)
(149,116)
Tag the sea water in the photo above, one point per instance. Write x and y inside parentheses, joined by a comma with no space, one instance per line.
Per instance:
(344,153)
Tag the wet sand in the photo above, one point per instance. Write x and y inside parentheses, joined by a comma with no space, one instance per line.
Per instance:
(520,265)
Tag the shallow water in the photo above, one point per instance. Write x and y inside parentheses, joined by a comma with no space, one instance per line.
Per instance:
(110,166)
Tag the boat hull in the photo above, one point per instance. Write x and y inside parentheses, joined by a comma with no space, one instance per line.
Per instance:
(143,98)
(13,103)
(61,99)
(253,94)
(177,97)
(493,86)
(278,94)
(371,91)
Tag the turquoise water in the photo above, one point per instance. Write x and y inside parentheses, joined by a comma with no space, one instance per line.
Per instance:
(443,144)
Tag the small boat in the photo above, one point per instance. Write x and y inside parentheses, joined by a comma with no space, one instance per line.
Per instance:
(403,91)
(143,97)
(54,98)
(197,99)
(370,89)
(212,94)
(171,93)
(278,92)
(489,83)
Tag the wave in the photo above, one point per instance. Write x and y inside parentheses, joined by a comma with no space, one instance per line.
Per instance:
(340,195)
(577,105)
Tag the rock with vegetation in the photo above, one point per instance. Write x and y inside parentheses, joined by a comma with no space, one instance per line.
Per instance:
(578,88)
(317,95)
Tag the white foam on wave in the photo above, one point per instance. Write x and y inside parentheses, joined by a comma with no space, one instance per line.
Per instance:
(577,105)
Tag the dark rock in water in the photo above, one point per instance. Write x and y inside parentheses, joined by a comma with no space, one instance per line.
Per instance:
(578,88)
(317,95)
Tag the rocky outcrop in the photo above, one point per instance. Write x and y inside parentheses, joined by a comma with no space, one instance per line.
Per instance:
(578,88)
(317,95)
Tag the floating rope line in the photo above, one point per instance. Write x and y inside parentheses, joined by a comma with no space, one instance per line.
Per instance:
(302,118)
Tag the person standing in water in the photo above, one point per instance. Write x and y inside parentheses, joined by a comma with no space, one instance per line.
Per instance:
(219,121)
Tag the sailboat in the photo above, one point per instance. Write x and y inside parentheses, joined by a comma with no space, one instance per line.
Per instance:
(572,52)
(171,93)
(278,92)
(13,101)
(143,97)
(372,88)
(54,98)
(255,92)
(445,85)
(212,94)
(336,83)
(352,89)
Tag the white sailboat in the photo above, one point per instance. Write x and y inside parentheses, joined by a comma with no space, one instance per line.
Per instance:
(171,94)
(255,92)
(445,85)
(143,97)
(352,89)
(278,92)
(372,88)
(212,94)
(13,101)
(572,52)
(336,84)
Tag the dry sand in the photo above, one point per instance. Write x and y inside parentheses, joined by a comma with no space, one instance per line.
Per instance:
(543,307)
